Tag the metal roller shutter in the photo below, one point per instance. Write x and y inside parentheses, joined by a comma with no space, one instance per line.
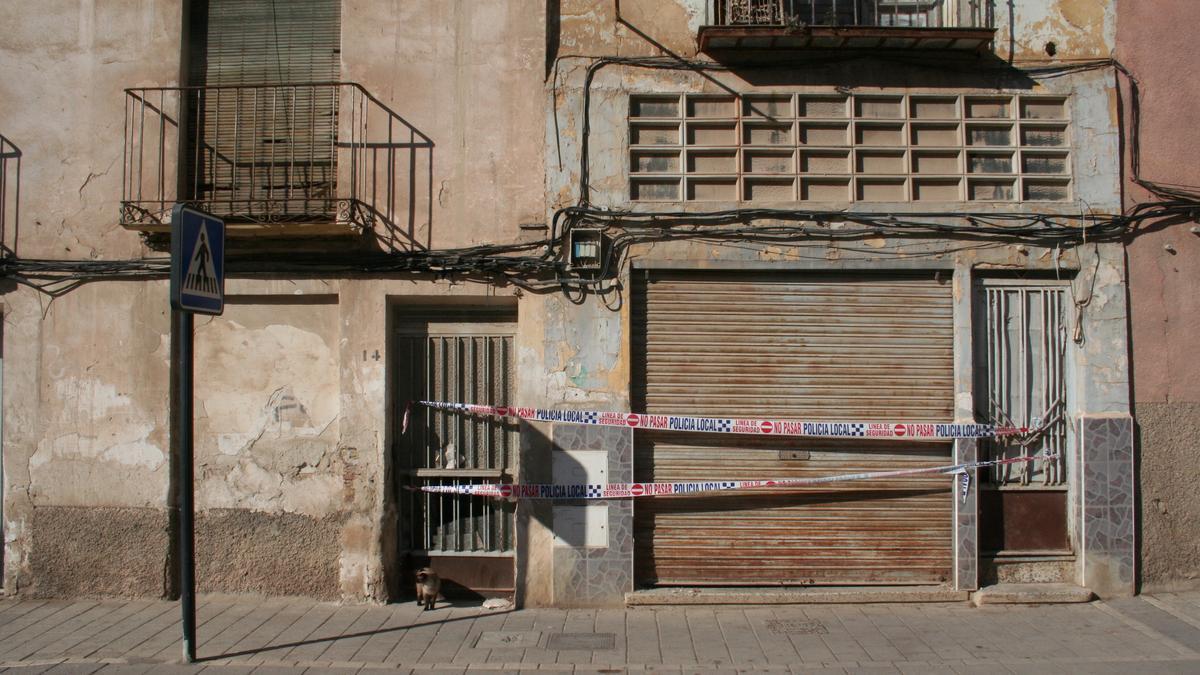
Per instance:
(863,347)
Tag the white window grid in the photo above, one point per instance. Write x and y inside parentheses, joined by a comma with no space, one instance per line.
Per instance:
(839,148)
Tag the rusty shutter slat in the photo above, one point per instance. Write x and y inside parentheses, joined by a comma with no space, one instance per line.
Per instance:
(793,346)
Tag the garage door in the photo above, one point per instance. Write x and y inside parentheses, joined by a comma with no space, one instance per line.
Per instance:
(863,347)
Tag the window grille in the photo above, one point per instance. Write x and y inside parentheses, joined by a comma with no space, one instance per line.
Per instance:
(831,147)
(469,362)
(1021,377)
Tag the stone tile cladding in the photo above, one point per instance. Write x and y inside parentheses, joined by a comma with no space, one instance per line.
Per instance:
(966,520)
(599,576)
(1107,503)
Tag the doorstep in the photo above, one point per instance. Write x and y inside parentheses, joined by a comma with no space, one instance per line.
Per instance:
(807,595)
(1031,594)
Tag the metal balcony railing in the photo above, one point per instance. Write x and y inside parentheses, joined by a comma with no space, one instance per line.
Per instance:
(861,13)
(10,193)
(311,153)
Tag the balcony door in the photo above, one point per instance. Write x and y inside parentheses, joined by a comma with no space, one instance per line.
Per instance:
(262,142)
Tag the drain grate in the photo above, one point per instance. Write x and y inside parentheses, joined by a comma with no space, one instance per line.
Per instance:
(499,639)
(796,627)
(582,641)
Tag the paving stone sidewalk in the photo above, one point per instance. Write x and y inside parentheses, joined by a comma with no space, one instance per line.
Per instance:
(1156,634)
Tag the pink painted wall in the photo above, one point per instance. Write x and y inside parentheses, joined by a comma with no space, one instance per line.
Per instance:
(1158,42)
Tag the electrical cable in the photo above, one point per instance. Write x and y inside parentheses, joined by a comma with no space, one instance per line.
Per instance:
(543,265)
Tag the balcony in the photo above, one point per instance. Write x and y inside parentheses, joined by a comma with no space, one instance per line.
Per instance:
(755,25)
(307,159)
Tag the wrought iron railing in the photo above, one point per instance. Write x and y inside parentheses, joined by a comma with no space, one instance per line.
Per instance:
(10,193)
(876,13)
(275,154)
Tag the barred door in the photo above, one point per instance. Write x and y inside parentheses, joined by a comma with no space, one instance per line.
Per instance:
(464,355)
(1021,380)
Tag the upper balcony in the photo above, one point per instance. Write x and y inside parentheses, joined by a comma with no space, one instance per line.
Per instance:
(306,159)
(748,25)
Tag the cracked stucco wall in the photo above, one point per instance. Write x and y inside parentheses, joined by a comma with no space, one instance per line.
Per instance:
(269,473)
(468,75)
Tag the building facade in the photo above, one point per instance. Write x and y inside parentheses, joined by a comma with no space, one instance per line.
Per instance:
(1162,267)
(857,212)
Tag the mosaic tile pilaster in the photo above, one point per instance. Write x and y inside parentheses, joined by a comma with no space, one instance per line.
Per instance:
(1106,504)
(966,520)
(598,576)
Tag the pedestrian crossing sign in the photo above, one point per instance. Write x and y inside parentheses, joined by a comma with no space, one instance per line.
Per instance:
(197,261)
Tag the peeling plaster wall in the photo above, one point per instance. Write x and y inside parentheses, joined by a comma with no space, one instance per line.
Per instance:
(85,440)
(1157,42)
(269,475)
(1079,29)
(69,61)
(293,417)
(469,76)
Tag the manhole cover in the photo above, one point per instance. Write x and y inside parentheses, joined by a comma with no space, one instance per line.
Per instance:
(796,627)
(521,639)
(581,641)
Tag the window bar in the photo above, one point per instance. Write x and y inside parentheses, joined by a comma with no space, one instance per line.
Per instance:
(125,191)
(1024,340)
(444,416)
(502,462)
(255,144)
(289,173)
(993,372)
(213,149)
(489,522)
(312,147)
(470,389)
(460,387)
(162,146)
(471,524)
(141,142)
(390,207)
(487,378)
(271,167)
(237,128)
(430,524)
(457,520)
(1060,380)
(131,141)
(371,167)
(1004,371)
(432,418)
(197,141)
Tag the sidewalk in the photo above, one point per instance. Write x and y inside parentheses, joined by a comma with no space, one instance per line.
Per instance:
(1158,634)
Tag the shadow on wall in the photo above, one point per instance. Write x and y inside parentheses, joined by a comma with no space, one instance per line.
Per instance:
(10,196)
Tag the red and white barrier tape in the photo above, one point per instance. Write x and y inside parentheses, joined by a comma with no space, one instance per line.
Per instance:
(628,490)
(730,425)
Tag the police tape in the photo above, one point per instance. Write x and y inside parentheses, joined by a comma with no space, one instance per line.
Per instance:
(629,490)
(730,425)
